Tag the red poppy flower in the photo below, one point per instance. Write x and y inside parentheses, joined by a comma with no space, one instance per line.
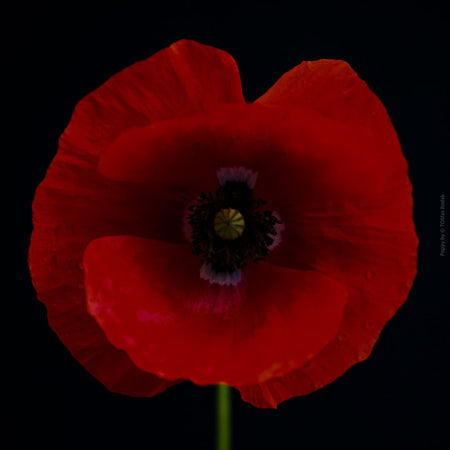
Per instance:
(182,233)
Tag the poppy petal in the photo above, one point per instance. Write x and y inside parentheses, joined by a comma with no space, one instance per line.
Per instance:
(302,158)
(369,247)
(184,79)
(334,89)
(142,291)
(75,203)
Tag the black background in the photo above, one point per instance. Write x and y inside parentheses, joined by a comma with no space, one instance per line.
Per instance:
(397,399)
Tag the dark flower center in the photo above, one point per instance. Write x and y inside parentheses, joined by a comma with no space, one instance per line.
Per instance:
(231,228)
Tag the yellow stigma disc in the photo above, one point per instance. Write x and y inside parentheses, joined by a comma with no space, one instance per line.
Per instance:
(229,224)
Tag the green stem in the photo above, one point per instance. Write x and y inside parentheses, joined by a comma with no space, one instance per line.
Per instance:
(223,417)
